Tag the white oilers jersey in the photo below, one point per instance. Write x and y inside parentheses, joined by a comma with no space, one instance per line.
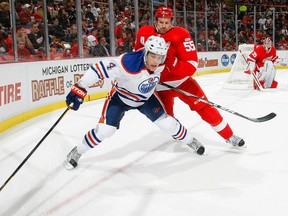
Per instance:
(133,81)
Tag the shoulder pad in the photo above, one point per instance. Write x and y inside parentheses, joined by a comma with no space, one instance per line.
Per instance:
(133,62)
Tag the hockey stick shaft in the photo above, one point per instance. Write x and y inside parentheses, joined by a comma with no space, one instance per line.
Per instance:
(260,119)
(34,149)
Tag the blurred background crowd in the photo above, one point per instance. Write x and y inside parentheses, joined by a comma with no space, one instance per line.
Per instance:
(214,26)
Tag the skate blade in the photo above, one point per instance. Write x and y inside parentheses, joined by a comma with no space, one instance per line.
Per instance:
(67,165)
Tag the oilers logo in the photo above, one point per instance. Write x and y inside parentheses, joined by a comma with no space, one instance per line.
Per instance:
(148,85)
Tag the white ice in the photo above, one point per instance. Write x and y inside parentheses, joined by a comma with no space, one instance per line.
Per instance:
(141,171)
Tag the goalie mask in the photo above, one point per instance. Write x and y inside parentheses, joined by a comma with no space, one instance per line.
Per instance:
(267,44)
(157,46)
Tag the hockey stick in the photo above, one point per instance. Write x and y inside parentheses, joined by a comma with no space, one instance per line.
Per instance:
(254,76)
(260,119)
(34,149)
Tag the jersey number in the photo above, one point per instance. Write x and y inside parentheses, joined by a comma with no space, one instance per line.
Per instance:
(110,66)
(189,46)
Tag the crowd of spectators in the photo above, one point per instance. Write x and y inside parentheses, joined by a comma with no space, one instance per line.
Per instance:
(62,28)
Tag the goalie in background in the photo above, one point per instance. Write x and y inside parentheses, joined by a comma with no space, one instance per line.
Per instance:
(261,62)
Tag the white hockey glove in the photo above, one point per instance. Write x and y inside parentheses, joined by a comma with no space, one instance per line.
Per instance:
(280,61)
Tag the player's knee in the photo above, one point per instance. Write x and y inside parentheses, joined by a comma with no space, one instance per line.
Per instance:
(211,115)
(95,136)
(167,123)
(105,130)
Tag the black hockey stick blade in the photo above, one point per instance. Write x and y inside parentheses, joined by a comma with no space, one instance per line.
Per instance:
(264,118)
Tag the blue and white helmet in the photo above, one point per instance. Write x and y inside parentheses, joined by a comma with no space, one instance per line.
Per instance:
(156,45)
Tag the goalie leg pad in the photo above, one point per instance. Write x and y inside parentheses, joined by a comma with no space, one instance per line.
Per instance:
(267,74)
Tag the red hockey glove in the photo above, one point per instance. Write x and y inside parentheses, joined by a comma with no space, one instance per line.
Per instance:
(76,97)
(248,71)
(171,59)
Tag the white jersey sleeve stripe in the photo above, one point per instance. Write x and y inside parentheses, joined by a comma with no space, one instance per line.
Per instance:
(98,73)
(104,69)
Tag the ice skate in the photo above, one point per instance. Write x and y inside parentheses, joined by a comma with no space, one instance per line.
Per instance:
(72,159)
(197,146)
(236,141)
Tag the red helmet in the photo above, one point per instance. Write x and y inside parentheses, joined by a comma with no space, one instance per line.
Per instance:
(164,12)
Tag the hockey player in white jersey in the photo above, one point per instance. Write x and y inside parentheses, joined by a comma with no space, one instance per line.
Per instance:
(135,76)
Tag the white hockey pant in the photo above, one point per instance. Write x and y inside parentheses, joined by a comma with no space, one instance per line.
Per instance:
(173,127)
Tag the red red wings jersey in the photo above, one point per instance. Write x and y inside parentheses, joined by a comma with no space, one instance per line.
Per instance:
(259,55)
(181,46)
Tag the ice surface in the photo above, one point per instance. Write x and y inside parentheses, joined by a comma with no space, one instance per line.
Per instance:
(141,171)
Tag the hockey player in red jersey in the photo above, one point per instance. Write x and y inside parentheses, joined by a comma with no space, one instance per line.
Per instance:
(261,62)
(181,63)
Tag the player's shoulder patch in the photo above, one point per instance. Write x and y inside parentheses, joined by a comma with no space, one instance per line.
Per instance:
(133,62)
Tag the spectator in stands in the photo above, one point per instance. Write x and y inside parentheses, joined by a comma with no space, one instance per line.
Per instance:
(25,15)
(119,46)
(106,31)
(282,44)
(71,10)
(5,14)
(200,48)
(94,32)
(3,46)
(57,30)
(36,37)
(127,43)
(262,21)
(72,35)
(21,33)
(250,40)
(74,49)
(119,28)
(23,52)
(89,15)
(67,51)
(54,54)
(101,33)
(102,48)
(130,28)
(92,41)
(85,26)
(38,15)
(94,9)
(63,18)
